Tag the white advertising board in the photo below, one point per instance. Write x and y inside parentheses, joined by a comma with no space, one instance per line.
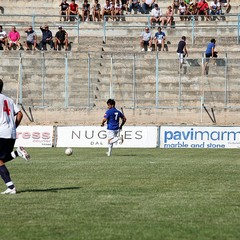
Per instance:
(34,136)
(199,137)
(94,136)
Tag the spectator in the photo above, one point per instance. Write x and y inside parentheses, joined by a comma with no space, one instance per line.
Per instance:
(147,6)
(159,38)
(156,15)
(202,9)
(85,10)
(14,38)
(124,5)
(225,4)
(182,50)
(183,11)
(135,6)
(3,38)
(31,38)
(64,5)
(146,40)
(61,39)
(168,18)
(107,10)
(46,38)
(118,10)
(175,6)
(210,51)
(215,9)
(73,11)
(191,10)
(96,11)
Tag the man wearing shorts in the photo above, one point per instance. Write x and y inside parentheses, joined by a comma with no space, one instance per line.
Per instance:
(10,118)
(112,117)
(182,50)
(159,39)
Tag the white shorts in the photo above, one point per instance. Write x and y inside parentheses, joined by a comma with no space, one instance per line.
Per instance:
(159,41)
(112,133)
(181,56)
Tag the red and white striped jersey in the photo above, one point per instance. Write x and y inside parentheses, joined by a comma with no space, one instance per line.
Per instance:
(8,110)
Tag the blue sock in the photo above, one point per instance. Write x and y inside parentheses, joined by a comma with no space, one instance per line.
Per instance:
(6,176)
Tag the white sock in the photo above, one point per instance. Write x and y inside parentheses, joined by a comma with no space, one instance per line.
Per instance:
(13,154)
(110,148)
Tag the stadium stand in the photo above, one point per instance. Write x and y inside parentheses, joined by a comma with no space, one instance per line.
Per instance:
(99,66)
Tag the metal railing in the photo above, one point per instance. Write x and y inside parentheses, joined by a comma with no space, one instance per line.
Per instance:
(48,82)
(36,20)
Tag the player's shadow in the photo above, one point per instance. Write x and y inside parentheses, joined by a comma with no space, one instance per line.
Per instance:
(49,189)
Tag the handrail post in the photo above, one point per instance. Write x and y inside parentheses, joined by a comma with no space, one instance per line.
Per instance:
(238,31)
(193,30)
(78,30)
(89,80)
(156,80)
(104,29)
(66,81)
(134,81)
(33,22)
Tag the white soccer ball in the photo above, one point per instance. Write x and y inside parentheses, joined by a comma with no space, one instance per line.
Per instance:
(68,151)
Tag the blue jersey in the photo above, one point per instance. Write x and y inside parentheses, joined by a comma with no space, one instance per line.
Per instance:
(209,48)
(159,35)
(113,115)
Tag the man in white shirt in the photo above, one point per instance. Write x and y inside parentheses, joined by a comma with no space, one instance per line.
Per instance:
(156,15)
(10,118)
(146,40)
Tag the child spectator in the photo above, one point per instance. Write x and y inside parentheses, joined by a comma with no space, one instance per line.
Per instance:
(107,10)
(31,38)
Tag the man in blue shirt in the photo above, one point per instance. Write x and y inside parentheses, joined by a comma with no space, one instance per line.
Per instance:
(159,38)
(210,53)
(112,117)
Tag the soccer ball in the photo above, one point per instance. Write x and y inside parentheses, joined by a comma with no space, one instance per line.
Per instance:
(68,151)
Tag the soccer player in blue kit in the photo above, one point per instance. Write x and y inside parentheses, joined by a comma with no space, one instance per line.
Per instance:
(112,117)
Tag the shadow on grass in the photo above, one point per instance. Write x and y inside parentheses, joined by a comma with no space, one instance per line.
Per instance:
(49,189)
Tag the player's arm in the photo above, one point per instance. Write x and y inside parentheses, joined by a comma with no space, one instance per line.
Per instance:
(18,119)
(103,121)
(123,122)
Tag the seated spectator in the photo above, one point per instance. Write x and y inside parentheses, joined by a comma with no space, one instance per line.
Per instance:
(156,15)
(13,38)
(183,11)
(61,39)
(225,5)
(73,11)
(96,11)
(159,39)
(3,39)
(215,8)
(191,10)
(85,11)
(135,6)
(46,38)
(175,6)
(118,10)
(147,6)
(168,18)
(31,38)
(202,9)
(146,40)
(107,10)
(64,10)
(125,5)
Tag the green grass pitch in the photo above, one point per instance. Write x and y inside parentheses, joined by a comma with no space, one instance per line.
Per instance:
(135,194)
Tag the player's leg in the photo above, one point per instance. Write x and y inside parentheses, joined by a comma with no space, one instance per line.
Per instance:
(6,147)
